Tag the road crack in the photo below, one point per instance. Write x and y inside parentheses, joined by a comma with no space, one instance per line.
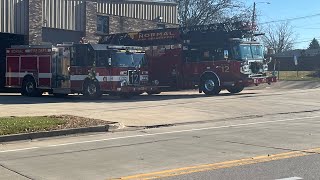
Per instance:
(269,147)
(16,172)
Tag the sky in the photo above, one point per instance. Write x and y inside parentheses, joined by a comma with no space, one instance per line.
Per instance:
(306,29)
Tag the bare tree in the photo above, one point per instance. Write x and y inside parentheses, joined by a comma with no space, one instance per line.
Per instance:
(279,37)
(200,12)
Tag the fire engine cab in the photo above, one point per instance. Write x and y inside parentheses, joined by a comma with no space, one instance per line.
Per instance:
(89,69)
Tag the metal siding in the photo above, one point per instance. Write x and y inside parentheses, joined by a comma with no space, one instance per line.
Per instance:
(127,9)
(78,16)
(9,13)
(136,10)
(149,10)
(12,16)
(74,14)
(17,16)
(44,12)
(5,16)
(69,14)
(58,16)
(64,14)
(140,10)
(120,9)
(1,16)
(26,21)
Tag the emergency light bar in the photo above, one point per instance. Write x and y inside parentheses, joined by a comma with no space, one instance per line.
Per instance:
(125,47)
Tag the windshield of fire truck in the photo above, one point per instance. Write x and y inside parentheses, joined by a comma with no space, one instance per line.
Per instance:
(123,59)
(248,51)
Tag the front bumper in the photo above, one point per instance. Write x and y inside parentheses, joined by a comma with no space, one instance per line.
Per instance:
(138,89)
(260,80)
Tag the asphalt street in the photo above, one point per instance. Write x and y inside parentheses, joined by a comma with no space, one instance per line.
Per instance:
(306,167)
(259,134)
(116,155)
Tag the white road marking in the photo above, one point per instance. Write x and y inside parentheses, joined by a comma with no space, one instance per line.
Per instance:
(161,133)
(291,178)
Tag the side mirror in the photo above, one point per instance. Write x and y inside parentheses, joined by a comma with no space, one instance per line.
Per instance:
(226,54)
(109,61)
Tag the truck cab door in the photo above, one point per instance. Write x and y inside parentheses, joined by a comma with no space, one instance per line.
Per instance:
(63,58)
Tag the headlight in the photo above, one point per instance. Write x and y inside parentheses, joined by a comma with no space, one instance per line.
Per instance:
(245,68)
(124,83)
(265,67)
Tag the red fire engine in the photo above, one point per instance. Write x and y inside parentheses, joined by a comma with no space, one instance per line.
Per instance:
(90,69)
(211,57)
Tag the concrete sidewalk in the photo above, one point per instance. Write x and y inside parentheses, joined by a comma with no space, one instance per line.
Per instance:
(168,108)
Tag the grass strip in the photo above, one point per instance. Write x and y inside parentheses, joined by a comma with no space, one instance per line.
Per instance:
(16,125)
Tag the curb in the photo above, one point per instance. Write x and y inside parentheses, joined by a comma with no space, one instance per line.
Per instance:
(64,132)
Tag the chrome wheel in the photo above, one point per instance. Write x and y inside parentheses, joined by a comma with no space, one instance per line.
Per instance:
(209,85)
(92,89)
(29,87)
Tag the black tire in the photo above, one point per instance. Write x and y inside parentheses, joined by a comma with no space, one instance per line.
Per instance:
(91,90)
(210,85)
(235,89)
(29,88)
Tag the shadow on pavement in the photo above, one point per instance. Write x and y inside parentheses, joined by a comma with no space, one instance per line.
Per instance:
(18,99)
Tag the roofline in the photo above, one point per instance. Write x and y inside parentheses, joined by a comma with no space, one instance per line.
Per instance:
(141,1)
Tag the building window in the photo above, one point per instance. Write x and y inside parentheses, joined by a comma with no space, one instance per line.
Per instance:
(161,26)
(103,24)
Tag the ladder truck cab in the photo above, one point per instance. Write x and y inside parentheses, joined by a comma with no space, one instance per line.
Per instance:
(209,57)
(89,69)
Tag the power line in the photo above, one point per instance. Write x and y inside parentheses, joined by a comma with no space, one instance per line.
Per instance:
(303,24)
(292,19)
(306,28)
(305,40)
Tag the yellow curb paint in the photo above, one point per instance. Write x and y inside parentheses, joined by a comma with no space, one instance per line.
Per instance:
(221,165)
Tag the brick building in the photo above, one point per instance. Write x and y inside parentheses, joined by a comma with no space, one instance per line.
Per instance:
(57,21)
(68,20)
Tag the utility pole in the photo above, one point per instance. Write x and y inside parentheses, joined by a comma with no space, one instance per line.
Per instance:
(254,12)
(253,15)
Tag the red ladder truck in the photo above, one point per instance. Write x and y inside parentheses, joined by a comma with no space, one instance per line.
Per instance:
(209,57)
(90,69)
